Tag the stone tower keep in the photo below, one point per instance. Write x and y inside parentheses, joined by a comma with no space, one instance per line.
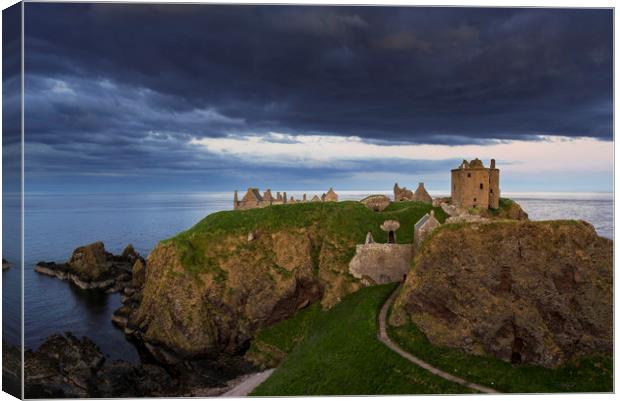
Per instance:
(474,185)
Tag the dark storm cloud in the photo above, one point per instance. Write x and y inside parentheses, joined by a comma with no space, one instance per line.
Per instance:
(124,88)
(388,73)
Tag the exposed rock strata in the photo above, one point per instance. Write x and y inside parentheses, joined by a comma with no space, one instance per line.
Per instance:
(180,315)
(91,267)
(531,292)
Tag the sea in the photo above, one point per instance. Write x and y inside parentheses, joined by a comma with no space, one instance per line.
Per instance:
(55,224)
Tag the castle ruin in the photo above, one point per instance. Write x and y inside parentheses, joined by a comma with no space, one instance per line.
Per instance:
(404,194)
(253,199)
(475,186)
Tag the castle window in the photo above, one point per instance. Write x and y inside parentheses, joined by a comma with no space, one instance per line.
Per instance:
(491,191)
(481,186)
(475,199)
(468,175)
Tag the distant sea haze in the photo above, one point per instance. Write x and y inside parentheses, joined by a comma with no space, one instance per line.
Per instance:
(58,223)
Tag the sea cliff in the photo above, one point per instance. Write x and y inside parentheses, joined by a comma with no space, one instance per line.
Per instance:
(207,290)
(525,292)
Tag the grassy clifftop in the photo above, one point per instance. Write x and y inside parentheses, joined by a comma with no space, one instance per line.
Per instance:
(347,221)
(208,289)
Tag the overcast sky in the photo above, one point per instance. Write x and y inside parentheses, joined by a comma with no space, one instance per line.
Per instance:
(196,97)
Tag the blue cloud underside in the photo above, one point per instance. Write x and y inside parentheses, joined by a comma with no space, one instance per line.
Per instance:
(116,93)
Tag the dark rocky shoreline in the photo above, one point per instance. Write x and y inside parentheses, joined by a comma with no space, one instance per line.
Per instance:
(65,366)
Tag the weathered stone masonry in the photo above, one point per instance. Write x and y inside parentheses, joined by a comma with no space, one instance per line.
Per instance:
(474,186)
(253,199)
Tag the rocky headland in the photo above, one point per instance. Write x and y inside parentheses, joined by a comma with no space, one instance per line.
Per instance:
(92,267)
(525,292)
(206,291)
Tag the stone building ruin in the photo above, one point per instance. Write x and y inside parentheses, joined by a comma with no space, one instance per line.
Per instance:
(404,194)
(474,186)
(424,226)
(253,199)
(377,263)
(330,196)
(390,226)
(378,203)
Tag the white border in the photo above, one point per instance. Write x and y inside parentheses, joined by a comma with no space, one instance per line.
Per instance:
(454,3)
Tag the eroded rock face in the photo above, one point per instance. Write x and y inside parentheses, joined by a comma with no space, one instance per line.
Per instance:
(530,292)
(180,315)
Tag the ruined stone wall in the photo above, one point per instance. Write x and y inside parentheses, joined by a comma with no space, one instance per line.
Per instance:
(381,263)
(251,204)
(378,203)
(494,193)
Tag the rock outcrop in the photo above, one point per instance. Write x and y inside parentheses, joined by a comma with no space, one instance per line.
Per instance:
(525,292)
(5,264)
(508,209)
(179,314)
(91,267)
(65,366)
(11,369)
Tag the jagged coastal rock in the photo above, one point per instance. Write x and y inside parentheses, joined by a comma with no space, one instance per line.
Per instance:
(530,292)
(65,366)
(5,264)
(92,267)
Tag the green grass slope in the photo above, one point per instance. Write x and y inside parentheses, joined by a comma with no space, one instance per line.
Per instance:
(337,353)
(348,221)
(593,374)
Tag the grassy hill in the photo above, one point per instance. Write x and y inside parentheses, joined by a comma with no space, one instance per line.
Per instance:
(348,221)
(337,353)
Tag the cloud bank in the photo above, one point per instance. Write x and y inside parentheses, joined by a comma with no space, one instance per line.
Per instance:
(208,97)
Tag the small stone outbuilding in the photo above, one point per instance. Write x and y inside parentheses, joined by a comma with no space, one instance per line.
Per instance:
(424,226)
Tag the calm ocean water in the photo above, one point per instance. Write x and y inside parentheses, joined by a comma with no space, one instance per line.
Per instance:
(56,224)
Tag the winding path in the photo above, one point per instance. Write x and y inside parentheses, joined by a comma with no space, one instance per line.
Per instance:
(385,339)
(249,383)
